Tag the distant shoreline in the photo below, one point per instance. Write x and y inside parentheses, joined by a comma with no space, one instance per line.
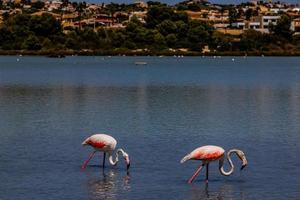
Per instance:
(62,53)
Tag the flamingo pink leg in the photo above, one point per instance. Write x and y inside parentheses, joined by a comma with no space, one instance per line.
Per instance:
(195,174)
(88,160)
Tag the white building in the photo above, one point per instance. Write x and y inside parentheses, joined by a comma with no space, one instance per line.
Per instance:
(247,25)
(254,25)
(266,20)
(259,24)
(239,25)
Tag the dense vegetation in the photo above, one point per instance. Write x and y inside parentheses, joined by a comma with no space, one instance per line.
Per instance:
(164,31)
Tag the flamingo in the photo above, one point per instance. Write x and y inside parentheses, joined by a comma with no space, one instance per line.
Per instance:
(211,153)
(106,144)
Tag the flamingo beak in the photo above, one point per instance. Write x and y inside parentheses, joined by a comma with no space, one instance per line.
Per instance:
(127,161)
(243,166)
(245,163)
(242,156)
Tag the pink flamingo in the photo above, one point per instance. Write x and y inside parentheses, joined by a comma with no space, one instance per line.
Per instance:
(211,153)
(106,144)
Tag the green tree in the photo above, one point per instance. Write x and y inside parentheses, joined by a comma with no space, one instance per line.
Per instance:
(233,14)
(157,14)
(44,25)
(73,41)
(199,34)
(129,44)
(296,39)
(37,5)
(47,44)
(252,40)
(6,38)
(159,41)
(248,13)
(221,42)
(117,38)
(283,28)
(89,39)
(171,40)
(65,3)
(182,29)
(194,7)
(102,33)
(198,37)
(240,13)
(5,16)
(31,43)
(167,27)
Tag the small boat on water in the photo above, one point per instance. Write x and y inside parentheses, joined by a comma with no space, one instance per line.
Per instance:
(140,63)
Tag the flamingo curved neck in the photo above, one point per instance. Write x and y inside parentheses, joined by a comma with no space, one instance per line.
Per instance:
(116,160)
(221,164)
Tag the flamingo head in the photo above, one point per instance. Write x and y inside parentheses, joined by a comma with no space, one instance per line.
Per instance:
(127,161)
(125,156)
(242,156)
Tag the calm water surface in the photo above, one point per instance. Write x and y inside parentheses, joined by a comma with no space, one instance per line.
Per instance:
(158,113)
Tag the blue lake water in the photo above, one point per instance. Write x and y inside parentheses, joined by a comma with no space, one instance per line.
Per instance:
(158,113)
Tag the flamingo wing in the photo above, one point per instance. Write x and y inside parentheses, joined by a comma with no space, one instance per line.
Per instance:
(208,152)
(101,141)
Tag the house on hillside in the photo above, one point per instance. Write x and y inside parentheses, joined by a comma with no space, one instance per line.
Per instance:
(69,17)
(217,16)
(267,20)
(140,15)
(103,19)
(293,14)
(195,14)
(295,25)
(260,23)
(53,5)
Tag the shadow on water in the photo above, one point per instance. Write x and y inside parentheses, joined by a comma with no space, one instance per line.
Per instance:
(225,191)
(107,184)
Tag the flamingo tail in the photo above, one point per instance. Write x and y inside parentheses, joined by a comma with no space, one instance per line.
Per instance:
(185,158)
(85,142)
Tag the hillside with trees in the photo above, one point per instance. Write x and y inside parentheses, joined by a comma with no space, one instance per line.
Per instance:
(166,30)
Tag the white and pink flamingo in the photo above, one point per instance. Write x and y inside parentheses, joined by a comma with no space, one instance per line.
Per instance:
(211,153)
(106,144)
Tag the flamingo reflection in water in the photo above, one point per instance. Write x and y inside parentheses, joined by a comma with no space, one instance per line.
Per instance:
(211,153)
(107,185)
(226,191)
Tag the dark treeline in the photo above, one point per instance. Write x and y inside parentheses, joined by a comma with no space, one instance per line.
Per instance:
(164,30)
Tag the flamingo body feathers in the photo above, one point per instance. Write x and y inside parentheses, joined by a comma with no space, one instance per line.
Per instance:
(208,152)
(101,142)
(205,153)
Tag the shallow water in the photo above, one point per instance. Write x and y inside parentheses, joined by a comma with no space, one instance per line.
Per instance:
(158,113)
